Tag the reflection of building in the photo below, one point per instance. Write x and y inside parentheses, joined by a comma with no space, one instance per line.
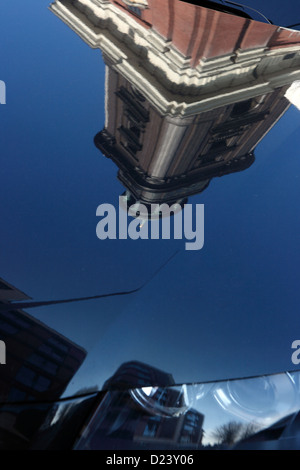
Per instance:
(9,293)
(183,430)
(164,158)
(135,374)
(190,91)
(180,56)
(130,412)
(40,362)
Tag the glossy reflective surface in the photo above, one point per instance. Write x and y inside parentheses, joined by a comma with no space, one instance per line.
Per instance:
(198,416)
(190,110)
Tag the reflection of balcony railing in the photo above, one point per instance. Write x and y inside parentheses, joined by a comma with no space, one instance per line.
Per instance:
(215,154)
(136,109)
(226,135)
(240,122)
(132,139)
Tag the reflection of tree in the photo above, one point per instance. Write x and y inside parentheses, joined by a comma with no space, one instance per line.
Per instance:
(232,432)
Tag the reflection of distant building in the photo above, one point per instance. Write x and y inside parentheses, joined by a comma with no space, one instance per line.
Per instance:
(190,91)
(131,412)
(40,362)
(135,374)
(186,429)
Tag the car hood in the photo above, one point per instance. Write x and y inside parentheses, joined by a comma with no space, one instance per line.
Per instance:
(195,120)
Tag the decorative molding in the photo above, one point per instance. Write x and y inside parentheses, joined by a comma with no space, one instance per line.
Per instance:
(163,74)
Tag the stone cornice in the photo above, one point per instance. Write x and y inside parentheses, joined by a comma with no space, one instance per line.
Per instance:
(163,74)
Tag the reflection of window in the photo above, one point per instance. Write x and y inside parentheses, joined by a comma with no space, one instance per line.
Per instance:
(26,376)
(140,381)
(41,384)
(241,108)
(18,318)
(191,429)
(58,344)
(43,363)
(7,328)
(151,426)
(130,148)
(135,130)
(51,353)
(138,367)
(137,94)
(185,439)
(168,428)
(215,152)
(218,146)
(289,56)
(132,103)
(130,137)
(129,140)
(33,380)
(137,11)
(19,395)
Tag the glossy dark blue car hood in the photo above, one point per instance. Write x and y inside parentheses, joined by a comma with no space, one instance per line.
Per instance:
(227,310)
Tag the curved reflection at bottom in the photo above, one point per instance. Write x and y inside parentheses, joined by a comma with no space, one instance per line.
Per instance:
(262,398)
(195,416)
(169,402)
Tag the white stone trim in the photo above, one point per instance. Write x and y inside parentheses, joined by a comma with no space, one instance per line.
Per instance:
(167,81)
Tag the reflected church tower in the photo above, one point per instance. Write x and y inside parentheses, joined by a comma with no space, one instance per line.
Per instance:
(190,91)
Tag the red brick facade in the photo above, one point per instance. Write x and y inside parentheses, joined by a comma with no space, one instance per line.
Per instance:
(199,32)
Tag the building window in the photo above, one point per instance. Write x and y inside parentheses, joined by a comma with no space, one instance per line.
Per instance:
(43,363)
(132,102)
(241,108)
(18,318)
(289,56)
(51,353)
(7,328)
(134,130)
(135,10)
(26,376)
(58,344)
(151,427)
(218,146)
(32,379)
(41,384)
